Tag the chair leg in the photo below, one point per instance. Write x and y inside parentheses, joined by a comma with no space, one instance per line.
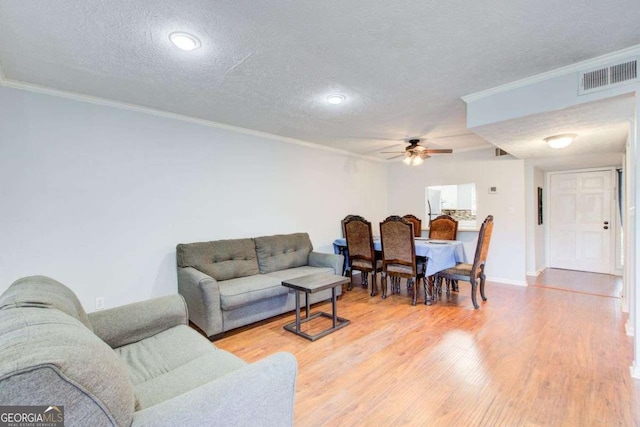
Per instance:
(383,283)
(350,286)
(482,280)
(474,291)
(414,288)
(365,279)
(454,286)
(427,292)
(374,285)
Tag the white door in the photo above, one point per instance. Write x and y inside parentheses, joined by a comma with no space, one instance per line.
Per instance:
(580,221)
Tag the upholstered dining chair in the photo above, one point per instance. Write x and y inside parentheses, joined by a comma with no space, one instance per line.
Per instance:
(443,227)
(362,256)
(346,218)
(473,273)
(399,256)
(417,224)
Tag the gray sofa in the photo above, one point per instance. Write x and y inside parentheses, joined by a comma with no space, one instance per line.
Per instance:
(232,283)
(139,364)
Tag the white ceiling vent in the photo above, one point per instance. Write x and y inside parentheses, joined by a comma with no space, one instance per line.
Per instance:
(608,76)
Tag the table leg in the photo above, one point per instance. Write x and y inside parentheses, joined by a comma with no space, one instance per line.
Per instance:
(334,307)
(298,310)
(306,301)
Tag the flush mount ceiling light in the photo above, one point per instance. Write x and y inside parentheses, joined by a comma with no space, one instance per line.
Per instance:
(560,141)
(336,98)
(185,41)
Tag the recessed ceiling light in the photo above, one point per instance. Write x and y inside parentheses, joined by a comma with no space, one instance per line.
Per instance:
(185,41)
(336,99)
(560,141)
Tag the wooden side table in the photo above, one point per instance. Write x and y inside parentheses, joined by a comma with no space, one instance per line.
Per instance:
(309,285)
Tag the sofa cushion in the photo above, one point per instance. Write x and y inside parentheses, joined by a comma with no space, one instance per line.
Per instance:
(282,251)
(243,291)
(44,292)
(220,259)
(173,362)
(292,273)
(55,354)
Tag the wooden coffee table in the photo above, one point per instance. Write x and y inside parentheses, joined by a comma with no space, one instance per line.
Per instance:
(309,285)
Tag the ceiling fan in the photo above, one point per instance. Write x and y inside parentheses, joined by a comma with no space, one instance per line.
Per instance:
(415,154)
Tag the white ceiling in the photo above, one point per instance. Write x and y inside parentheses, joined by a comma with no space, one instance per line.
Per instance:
(268,65)
(601,127)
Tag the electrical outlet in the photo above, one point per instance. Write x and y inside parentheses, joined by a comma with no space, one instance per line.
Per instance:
(100,303)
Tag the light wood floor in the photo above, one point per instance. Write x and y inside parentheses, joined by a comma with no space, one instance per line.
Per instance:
(530,356)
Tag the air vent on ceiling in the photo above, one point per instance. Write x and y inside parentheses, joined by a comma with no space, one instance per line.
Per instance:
(500,152)
(608,76)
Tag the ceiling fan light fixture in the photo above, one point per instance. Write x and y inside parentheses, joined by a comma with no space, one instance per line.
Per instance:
(336,98)
(560,141)
(185,41)
(417,161)
(407,160)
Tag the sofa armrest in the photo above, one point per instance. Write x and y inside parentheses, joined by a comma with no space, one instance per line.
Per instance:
(261,393)
(133,322)
(202,294)
(317,259)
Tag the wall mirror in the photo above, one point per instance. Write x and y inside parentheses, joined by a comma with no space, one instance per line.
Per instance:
(457,201)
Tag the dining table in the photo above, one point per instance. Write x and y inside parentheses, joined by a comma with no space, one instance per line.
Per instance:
(439,254)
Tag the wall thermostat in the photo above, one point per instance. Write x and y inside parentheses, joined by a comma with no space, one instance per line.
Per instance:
(493,190)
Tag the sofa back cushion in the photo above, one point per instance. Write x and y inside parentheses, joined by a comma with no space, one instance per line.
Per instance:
(44,292)
(50,358)
(220,259)
(283,251)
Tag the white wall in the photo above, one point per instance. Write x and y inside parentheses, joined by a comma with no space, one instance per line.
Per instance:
(506,261)
(536,259)
(97,197)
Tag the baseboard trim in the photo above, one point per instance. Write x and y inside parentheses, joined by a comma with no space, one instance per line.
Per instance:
(507,281)
(635,371)
(628,327)
(537,272)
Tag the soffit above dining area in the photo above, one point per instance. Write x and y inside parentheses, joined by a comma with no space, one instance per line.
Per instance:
(269,66)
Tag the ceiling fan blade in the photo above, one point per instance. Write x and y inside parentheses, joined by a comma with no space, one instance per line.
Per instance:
(438,150)
(395,157)
(391,152)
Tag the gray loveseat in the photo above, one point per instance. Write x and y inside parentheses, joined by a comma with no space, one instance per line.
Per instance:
(232,283)
(139,364)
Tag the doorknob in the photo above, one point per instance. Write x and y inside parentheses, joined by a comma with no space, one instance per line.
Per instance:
(606,227)
(606,223)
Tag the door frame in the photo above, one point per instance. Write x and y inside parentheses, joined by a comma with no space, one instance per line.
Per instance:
(614,221)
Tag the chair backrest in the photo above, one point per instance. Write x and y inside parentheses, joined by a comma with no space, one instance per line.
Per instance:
(398,246)
(346,218)
(359,239)
(417,224)
(482,249)
(443,227)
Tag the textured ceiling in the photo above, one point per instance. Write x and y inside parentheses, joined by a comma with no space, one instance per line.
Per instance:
(268,65)
(602,128)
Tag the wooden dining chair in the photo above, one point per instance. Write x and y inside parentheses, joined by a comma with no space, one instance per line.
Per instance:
(399,256)
(443,227)
(417,224)
(346,218)
(362,256)
(473,273)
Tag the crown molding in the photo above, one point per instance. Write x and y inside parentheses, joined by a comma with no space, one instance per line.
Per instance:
(174,116)
(573,68)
